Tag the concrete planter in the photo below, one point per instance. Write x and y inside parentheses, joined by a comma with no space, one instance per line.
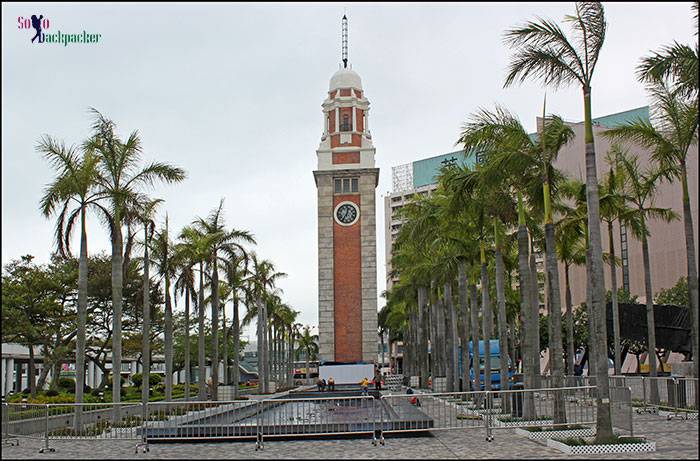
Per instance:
(544,435)
(679,414)
(540,422)
(602,449)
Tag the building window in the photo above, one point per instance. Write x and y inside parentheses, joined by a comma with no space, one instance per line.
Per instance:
(345,185)
(345,124)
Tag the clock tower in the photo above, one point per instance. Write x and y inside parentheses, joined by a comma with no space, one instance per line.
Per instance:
(346,179)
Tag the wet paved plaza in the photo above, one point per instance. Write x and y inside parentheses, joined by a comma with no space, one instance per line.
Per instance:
(674,439)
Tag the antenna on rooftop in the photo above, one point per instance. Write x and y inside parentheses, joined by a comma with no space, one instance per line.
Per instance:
(345,41)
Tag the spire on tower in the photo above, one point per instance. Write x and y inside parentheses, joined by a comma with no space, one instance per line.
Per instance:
(345,42)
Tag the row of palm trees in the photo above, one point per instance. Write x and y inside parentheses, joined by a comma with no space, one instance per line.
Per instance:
(104,176)
(490,221)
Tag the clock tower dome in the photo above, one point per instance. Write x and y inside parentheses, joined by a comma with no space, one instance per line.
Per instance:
(346,179)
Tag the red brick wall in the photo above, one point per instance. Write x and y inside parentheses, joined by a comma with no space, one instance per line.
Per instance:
(331,121)
(345,92)
(346,157)
(360,120)
(347,287)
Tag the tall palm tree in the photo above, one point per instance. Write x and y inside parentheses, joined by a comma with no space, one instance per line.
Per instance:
(571,250)
(222,241)
(307,344)
(163,255)
(145,213)
(614,207)
(261,283)
(236,270)
(670,137)
(196,249)
(74,184)
(122,179)
(182,264)
(640,188)
(543,51)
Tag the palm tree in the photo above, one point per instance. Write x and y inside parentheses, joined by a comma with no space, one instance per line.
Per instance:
(640,188)
(122,179)
(670,139)
(182,264)
(613,207)
(261,286)
(75,182)
(222,241)
(307,344)
(676,62)
(236,270)
(145,213)
(162,254)
(571,250)
(196,249)
(543,51)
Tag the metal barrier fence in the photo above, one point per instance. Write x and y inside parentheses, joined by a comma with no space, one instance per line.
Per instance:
(487,409)
(621,408)
(677,395)
(294,417)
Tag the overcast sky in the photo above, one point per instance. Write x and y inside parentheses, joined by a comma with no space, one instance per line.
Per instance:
(232,93)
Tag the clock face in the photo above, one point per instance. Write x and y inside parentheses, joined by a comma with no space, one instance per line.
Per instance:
(346,213)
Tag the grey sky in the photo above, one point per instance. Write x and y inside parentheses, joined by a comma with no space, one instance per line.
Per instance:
(232,94)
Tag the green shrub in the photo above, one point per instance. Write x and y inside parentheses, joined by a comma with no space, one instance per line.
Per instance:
(137,379)
(66,383)
(51,393)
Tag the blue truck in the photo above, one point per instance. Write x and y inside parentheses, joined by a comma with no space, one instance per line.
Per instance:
(495,364)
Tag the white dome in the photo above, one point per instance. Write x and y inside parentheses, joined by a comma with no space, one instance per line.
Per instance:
(345,78)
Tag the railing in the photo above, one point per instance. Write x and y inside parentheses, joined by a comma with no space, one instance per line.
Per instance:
(303,417)
(621,409)
(676,395)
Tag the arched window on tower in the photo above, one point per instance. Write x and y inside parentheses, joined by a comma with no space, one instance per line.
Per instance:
(345,124)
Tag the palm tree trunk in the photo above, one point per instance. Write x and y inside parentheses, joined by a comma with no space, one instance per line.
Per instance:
(556,357)
(475,336)
(571,347)
(464,309)
(188,370)
(487,318)
(82,320)
(215,329)
(692,273)
(603,419)
(201,359)
(261,348)
(451,337)
(268,351)
(502,327)
(651,328)
(613,293)
(535,309)
(225,331)
(423,333)
(236,345)
(117,283)
(146,354)
(528,332)
(168,342)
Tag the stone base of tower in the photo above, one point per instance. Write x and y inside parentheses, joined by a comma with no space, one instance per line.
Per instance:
(347,271)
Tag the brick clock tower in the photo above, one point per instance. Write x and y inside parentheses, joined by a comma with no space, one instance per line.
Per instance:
(346,180)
